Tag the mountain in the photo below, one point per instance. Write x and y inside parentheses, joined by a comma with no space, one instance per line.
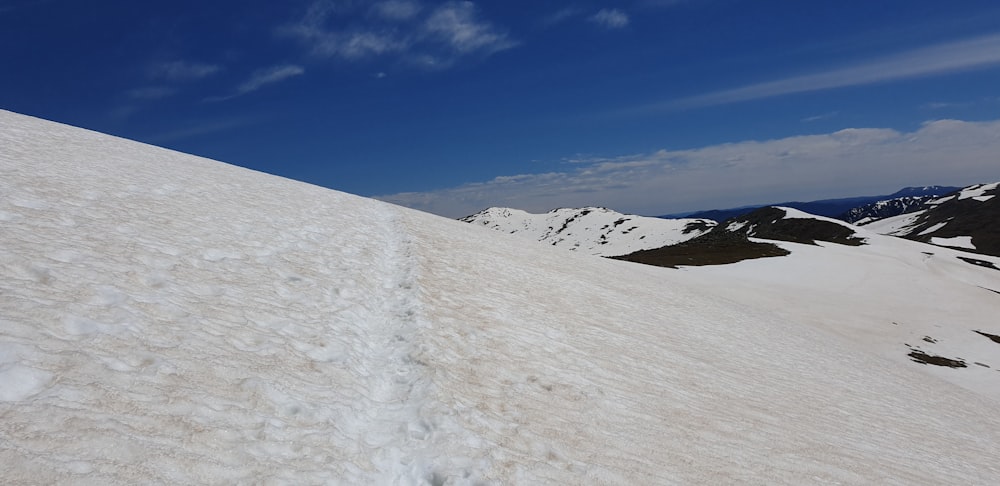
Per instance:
(731,243)
(886,208)
(833,208)
(596,231)
(171,319)
(968,219)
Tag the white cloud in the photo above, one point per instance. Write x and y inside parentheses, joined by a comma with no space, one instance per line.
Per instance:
(844,163)
(610,18)
(457,24)
(182,70)
(270,76)
(952,57)
(402,30)
(262,78)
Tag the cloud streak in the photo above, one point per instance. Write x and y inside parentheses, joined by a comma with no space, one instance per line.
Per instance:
(843,163)
(262,78)
(610,18)
(182,70)
(953,57)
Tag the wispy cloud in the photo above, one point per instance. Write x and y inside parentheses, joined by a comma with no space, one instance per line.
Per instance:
(952,57)
(823,116)
(843,163)
(456,24)
(610,18)
(397,10)
(182,70)
(262,78)
(401,30)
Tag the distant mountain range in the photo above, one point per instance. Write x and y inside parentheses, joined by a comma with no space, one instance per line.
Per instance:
(833,208)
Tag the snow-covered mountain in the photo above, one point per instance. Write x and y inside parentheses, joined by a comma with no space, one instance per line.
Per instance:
(886,208)
(596,231)
(968,219)
(170,319)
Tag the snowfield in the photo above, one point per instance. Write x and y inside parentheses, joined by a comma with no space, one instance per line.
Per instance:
(167,319)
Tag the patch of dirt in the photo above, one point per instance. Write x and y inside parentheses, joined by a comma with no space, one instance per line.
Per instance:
(712,248)
(992,337)
(924,358)
(979,263)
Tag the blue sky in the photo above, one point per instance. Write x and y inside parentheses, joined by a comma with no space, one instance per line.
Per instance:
(644,106)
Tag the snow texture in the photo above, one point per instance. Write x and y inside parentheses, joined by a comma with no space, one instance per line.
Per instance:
(596,231)
(167,319)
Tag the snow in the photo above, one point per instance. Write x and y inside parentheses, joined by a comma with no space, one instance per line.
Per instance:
(896,225)
(170,319)
(956,242)
(792,213)
(592,230)
(978,191)
(934,227)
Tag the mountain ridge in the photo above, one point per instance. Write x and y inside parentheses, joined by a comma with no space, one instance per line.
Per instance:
(833,208)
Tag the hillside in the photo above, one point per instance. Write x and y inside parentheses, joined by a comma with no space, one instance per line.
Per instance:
(168,319)
(968,219)
(906,301)
(595,231)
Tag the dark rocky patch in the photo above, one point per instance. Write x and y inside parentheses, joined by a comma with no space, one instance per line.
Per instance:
(924,358)
(697,226)
(991,290)
(712,248)
(979,263)
(992,337)
(982,364)
(929,339)
(770,224)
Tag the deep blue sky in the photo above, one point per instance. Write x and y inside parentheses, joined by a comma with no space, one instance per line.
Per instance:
(645,106)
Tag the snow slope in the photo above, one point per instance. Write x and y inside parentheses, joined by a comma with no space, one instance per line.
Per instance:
(167,319)
(889,295)
(596,231)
